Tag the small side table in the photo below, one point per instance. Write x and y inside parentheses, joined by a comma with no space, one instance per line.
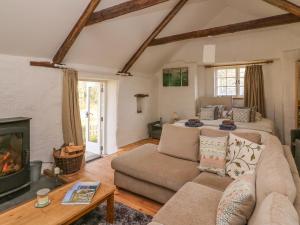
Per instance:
(154,130)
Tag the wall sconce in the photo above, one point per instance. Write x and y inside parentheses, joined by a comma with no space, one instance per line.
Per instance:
(139,98)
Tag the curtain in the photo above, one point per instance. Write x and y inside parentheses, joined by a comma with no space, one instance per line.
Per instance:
(254,88)
(72,130)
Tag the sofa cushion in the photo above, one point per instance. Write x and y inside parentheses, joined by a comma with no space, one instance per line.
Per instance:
(243,156)
(273,175)
(237,202)
(180,142)
(276,209)
(213,154)
(250,136)
(147,164)
(193,204)
(213,181)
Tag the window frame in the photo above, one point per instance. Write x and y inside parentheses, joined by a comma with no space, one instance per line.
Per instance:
(237,85)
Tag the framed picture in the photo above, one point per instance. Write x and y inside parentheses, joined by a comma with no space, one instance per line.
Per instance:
(176,77)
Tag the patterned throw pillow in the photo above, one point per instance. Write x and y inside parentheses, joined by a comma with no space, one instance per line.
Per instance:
(237,202)
(213,154)
(242,156)
(258,116)
(207,113)
(241,114)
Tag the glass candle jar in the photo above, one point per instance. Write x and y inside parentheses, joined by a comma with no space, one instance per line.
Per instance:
(42,197)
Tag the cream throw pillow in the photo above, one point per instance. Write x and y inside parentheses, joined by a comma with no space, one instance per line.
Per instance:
(243,156)
(237,202)
(213,154)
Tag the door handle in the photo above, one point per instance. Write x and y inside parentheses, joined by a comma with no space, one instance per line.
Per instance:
(87,114)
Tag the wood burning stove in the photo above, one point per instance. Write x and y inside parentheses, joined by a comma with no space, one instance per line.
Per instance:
(14,154)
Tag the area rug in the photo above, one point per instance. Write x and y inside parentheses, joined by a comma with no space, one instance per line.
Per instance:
(123,216)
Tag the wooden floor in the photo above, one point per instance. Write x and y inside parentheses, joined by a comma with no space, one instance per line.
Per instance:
(100,169)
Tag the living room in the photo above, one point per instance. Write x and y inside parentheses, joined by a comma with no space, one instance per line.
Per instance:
(107,78)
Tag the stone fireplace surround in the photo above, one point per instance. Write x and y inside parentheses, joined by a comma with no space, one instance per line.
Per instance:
(20,178)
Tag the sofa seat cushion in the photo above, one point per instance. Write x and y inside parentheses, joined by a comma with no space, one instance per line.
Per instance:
(193,204)
(213,180)
(147,164)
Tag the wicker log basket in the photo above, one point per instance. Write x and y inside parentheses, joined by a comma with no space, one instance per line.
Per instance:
(69,158)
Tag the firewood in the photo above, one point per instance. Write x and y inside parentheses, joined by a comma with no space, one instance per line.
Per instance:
(70,149)
(63,152)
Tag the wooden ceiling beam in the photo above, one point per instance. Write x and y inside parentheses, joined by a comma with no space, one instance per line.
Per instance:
(69,41)
(42,64)
(121,9)
(153,35)
(285,5)
(232,28)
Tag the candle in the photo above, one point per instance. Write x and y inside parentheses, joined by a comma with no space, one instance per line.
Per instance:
(56,170)
(42,197)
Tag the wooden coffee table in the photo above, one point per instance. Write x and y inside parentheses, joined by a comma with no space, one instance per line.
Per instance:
(56,213)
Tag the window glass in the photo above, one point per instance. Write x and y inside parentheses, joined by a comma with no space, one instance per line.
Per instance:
(230,81)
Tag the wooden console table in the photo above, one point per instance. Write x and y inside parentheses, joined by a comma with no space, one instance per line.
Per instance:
(56,213)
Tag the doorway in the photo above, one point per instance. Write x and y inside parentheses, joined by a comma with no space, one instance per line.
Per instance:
(92,108)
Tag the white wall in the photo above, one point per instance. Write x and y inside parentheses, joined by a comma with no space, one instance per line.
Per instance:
(287,88)
(178,99)
(36,92)
(280,44)
(123,124)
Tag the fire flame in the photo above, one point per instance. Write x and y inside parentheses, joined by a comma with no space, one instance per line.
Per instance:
(5,168)
(6,156)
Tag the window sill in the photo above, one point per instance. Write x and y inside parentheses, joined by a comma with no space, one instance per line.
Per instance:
(238,98)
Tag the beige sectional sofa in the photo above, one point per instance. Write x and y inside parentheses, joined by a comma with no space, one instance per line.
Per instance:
(191,196)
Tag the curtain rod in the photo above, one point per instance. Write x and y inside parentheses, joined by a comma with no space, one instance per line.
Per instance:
(241,64)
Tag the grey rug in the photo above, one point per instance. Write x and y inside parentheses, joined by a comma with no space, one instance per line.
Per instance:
(27,194)
(123,216)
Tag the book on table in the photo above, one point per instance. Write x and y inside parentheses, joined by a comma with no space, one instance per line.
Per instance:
(81,193)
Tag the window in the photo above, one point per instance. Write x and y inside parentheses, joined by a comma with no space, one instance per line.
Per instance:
(229,81)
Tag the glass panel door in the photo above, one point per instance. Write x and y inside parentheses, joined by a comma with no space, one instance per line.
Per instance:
(91,112)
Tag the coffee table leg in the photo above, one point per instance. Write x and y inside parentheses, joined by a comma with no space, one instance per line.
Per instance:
(110,209)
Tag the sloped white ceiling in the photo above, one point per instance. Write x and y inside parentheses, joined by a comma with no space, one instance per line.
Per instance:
(36,28)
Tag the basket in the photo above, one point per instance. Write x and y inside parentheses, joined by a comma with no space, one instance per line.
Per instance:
(68,164)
